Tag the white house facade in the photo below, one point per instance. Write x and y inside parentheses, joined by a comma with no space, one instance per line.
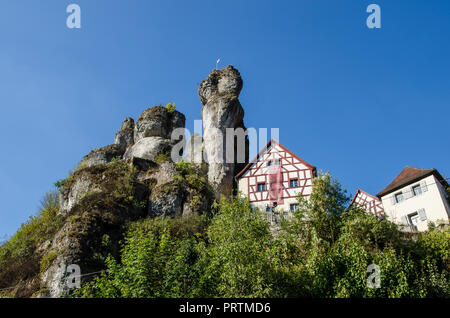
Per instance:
(274,178)
(415,197)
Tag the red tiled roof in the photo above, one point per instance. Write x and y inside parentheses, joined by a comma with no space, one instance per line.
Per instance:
(407,176)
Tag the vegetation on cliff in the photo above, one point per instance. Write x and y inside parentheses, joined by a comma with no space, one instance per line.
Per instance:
(21,256)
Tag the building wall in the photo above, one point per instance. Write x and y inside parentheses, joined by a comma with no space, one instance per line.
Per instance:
(292,167)
(431,200)
(243,188)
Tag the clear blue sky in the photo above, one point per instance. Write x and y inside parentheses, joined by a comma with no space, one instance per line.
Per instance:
(359,103)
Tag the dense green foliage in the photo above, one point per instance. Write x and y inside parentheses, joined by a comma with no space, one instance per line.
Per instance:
(323,251)
(158,260)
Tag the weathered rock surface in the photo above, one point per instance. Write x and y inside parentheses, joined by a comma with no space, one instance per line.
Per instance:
(96,203)
(158,122)
(149,148)
(69,196)
(166,201)
(219,95)
(125,137)
(178,193)
(103,195)
(103,155)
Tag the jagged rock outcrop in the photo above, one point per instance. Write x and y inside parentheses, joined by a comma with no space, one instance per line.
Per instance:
(157,121)
(153,132)
(103,155)
(149,148)
(125,137)
(103,194)
(69,196)
(180,191)
(219,94)
(133,179)
(96,203)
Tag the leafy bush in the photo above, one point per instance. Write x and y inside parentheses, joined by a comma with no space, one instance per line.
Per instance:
(171,107)
(237,261)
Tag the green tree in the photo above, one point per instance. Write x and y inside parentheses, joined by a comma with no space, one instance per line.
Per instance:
(157,260)
(238,258)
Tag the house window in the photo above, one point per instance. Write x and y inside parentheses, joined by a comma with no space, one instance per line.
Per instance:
(294,183)
(414,220)
(293,207)
(277,162)
(417,190)
(399,197)
(269,163)
(261,187)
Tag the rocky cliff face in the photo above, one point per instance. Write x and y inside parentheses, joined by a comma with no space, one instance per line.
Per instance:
(219,94)
(130,179)
(135,178)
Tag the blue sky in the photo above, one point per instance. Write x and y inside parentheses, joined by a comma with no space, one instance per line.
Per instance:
(359,103)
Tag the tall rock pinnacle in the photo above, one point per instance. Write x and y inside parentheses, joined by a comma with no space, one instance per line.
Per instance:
(219,94)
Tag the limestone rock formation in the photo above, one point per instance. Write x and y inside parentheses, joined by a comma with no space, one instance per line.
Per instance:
(149,148)
(219,94)
(133,179)
(96,202)
(157,121)
(153,132)
(69,196)
(125,137)
(103,194)
(103,155)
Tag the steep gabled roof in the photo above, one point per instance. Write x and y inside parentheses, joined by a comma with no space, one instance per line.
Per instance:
(262,152)
(364,192)
(410,175)
(373,206)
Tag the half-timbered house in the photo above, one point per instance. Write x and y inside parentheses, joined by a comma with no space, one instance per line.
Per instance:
(275,177)
(368,203)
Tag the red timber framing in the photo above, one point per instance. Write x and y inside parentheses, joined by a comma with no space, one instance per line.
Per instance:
(368,202)
(291,166)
